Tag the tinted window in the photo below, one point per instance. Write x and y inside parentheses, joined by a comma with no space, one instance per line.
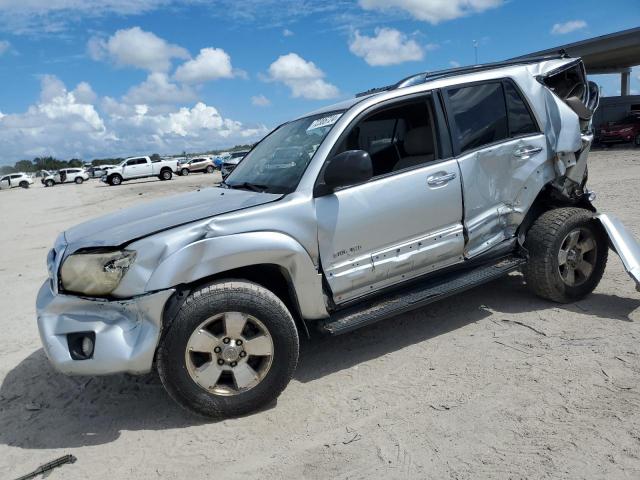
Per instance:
(16,176)
(396,138)
(480,115)
(520,121)
(137,161)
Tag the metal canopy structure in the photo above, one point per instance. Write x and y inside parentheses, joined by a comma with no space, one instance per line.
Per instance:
(613,53)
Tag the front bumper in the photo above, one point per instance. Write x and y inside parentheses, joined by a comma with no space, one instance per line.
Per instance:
(126,331)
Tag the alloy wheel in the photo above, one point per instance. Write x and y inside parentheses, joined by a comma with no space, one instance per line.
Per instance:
(229,353)
(577,257)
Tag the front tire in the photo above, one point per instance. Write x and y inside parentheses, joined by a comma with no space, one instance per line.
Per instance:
(568,252)
(210,169)
(115,180)
(637,140)
(24,184)
(49,183)
(79,180)
(232,348)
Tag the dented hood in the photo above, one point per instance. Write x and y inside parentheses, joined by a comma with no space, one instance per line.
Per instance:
(140,221)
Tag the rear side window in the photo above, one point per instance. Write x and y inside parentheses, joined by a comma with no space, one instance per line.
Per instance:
(520,120)
(480,115)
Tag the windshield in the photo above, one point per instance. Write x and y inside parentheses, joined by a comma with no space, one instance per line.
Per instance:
(277,163)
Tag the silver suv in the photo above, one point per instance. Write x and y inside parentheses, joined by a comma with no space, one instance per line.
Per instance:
(355,213)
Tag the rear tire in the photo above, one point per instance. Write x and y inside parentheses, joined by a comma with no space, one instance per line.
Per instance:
(184,172)
(115,180)
(637,140)
(209,383)
(24,184)
(568,252)
(165,175)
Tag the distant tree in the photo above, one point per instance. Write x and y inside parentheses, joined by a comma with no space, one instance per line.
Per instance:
(6,169)
(75,163)
(24,166)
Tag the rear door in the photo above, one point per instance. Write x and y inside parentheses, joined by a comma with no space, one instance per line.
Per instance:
(5,182)
(499,147)
(407,220)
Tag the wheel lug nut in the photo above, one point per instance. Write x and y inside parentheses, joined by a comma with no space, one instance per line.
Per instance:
(233,364)
(217,349)
(243,354)
(226,340)
(220,362)
(238,342)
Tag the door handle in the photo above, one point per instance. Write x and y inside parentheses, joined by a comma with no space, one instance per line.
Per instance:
(440,178)
(527,152)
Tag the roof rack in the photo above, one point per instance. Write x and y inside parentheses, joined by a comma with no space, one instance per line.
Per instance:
(423,77)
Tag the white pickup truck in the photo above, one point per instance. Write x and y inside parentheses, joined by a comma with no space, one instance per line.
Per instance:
(140,167)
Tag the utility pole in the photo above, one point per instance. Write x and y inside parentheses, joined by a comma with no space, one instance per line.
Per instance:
(475,47)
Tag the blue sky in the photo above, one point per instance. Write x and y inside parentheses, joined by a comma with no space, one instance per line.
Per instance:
(92,79)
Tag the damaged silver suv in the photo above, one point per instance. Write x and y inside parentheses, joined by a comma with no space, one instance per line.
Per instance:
(355,213)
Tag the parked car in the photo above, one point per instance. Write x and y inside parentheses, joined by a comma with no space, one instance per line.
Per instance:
(232,162)
(14,180)
(65,175)
(337,220)
(626,130)
(219,160)
(140,167)
(200,164)
(99,171)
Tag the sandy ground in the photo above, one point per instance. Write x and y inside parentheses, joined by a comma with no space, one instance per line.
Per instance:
(494,383)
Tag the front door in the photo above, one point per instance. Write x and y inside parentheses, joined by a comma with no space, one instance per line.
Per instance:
(407,220)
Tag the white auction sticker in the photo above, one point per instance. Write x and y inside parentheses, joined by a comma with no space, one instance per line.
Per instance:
(324,121)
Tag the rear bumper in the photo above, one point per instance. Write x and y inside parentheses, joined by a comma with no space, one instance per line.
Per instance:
(126,331)
(615,138)
(624,244)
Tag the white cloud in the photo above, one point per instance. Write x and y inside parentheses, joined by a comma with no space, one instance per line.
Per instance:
(287,33)
(387,47)
(568,27)
(432,11)
(66,124)
(454,63)
(83,93)
(303,78)
(4,47)
(58,124)
(136,48)
(158,90)
(260,101)
(210,64)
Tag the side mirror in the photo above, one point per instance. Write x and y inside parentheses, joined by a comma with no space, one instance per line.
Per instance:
(346,168)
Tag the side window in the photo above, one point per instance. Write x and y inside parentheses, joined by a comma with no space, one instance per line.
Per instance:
(396,137)
(480,115)
(520,120)
(136,161)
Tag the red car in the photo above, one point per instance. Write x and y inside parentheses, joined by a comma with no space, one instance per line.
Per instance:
(622,131)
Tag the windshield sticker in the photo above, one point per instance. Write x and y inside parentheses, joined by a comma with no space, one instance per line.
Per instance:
(324,122)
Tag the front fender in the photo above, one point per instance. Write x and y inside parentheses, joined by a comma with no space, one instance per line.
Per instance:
(211,256)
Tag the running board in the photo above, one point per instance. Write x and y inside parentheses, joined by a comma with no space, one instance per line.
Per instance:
(417,295)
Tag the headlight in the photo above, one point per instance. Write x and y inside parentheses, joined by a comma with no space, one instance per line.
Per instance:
(95,273)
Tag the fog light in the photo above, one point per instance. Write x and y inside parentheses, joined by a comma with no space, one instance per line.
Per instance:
(81,345)
(87,346)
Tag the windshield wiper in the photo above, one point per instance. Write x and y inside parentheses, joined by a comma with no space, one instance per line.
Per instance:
(254,187)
